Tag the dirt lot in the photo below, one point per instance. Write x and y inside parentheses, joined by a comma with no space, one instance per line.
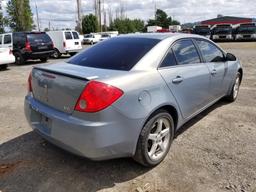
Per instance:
(216,151)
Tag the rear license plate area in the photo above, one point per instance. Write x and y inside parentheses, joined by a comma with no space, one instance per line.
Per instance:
(222,37)
(247,36)
(76,43)
(42,47)
(45,125)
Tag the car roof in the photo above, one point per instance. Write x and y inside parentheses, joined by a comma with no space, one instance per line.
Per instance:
(161,36)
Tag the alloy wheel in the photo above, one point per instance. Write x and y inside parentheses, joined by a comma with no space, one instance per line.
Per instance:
(158,139)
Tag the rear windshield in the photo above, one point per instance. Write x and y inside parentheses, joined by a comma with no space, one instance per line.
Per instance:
(68,36)
(38,38)
(75,35)
(120,53)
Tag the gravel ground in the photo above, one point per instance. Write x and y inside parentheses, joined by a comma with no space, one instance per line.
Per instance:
(215,151)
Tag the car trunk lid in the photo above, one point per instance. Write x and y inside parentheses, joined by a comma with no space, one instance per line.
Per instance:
(60,85)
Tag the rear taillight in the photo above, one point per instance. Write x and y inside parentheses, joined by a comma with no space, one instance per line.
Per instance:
(97,96)
(27,46)
(10,52)
(53,45)
(64,44)
(30,83)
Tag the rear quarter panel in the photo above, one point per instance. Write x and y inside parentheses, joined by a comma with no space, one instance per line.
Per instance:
(144,93)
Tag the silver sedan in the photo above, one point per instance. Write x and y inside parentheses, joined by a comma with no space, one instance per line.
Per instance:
(127,96)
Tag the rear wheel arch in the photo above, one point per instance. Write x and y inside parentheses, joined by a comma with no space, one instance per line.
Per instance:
(240,70)
(168,108)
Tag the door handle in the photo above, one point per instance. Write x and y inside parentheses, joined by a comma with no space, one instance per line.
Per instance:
(214,72)
(177,80)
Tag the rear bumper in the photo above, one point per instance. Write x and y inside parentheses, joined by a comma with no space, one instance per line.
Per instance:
(92,139)
(73,50)
(38,55)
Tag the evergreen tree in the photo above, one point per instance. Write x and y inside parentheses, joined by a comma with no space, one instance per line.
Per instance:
(1,23)
(20,17)
(89,24)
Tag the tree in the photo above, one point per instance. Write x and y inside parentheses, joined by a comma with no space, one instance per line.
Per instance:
(1,23)
(127,25)
(20,17)
(162,20)
(46,29)
(89,24)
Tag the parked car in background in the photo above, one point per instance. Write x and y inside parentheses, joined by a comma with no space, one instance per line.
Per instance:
(6,57)
(105,37)
(204,30)
(91,38)
(65,42)
(127,96)
(245,31)
(28,45)
(222,32)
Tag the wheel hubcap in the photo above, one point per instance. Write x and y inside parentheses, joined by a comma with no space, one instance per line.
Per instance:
(158,139)
(236,87)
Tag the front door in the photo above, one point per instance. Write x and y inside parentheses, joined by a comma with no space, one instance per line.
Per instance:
(215,60)
(189,79)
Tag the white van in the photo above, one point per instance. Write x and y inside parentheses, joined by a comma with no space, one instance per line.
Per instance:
(65,42)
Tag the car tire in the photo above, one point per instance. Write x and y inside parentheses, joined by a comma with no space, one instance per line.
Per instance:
(235,88)
(19,59)
(72,54)
(154,140)
(44,59)
(3,67)
(56,54)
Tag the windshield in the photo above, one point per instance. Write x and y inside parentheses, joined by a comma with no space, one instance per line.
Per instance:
(251,29)
(116,53)
(38,38)
(105,35)
(222,30)
(202,31)
(88,36)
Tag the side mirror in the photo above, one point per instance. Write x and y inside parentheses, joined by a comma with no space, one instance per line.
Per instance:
(230,57)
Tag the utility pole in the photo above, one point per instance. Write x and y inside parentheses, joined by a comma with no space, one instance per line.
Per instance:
(37,18)
(99,3)
(79,15)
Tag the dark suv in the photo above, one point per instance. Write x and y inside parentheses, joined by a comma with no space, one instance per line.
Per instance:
(31,45)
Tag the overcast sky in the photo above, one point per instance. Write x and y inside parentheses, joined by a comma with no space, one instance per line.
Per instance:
(62,13)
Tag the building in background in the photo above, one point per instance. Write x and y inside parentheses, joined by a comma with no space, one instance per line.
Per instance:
(227,20)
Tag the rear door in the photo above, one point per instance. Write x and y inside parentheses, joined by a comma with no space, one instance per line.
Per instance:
(215,60)
(7,41)
(77,42)
(39,42)
(70,42)
(186,76)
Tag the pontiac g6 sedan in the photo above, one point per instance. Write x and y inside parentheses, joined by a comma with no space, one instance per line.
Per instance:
(127,96)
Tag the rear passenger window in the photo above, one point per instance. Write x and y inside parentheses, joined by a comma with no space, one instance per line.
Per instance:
(7,39)
(169,60)
(185,52)
(68,35)
(75,35)
(210,52)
